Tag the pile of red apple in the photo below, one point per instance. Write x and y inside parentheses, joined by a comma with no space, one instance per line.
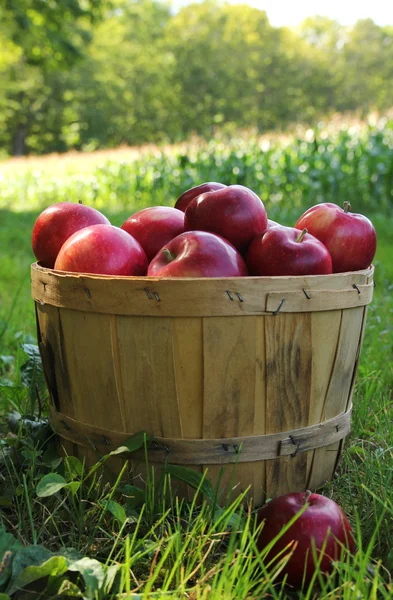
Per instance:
(214,230)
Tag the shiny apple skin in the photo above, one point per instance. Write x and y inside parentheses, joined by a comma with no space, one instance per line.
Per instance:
(102,250)
(322,522)
(185,198)
(235,212)
(56,224)
(271,224)
(154,227)
(198,254)
(276,252)
(350,237)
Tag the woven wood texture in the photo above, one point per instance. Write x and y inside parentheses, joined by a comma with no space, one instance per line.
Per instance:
(208,360)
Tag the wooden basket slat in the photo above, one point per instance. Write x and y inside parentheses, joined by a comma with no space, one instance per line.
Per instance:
(229,383)
(338,394)
(325,331)
(148,375)
(188,370)
(288,375)
(53,354)
(257,476)
(88,350)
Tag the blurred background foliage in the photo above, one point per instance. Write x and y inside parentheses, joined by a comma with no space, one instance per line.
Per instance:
(88,74)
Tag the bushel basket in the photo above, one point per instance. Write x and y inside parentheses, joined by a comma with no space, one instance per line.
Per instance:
(255,374)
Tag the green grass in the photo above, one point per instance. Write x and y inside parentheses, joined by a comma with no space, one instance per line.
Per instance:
(147,541)
(329,164)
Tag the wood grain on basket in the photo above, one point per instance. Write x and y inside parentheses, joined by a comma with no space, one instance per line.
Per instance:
(219,451)
(207,360)
(219,297)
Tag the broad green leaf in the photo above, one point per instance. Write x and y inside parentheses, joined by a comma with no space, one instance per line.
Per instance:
(7,542)
(9,545)
(73,467)
(38,429)
(135,496)
(27,557)
(4,597)
(50,484)
(71,554)
(92,572)
(193,478)
(68,589)
(31,370)
(51,456)
(54,567)
(135,442)
(74,486)
(32,351)
(116,510)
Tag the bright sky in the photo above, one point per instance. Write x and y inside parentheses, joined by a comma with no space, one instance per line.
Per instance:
(293,12)
(347,12)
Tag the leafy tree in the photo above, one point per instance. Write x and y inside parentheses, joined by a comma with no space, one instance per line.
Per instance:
(122,91)
(367,62)
(48,36)
(232,66)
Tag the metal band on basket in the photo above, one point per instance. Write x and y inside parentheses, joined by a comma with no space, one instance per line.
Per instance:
(209,451)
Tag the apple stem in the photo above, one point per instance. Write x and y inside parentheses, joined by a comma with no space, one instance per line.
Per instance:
(347,206)
(169,256)
(301,235)
(307,496)
(80,202)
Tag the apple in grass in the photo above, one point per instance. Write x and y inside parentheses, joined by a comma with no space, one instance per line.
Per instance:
(155,226)
(287,251)
(198,254)
(350,237)
(103,250)
(56,224)
(234,212)
(321,532)
(185,198)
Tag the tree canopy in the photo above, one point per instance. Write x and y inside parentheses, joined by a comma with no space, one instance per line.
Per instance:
(92,73)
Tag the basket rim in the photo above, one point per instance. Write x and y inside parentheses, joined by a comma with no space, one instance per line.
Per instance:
(36,266)
(202,296)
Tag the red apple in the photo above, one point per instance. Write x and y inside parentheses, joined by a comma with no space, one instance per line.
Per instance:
(154,227)
(271,224)
(56,224)
(235,212)
(350,238)
(185,198)
(198,254)
(322,528)
(287,251)
(104,250)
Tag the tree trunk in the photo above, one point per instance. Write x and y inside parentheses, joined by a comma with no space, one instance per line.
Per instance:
(19,143)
